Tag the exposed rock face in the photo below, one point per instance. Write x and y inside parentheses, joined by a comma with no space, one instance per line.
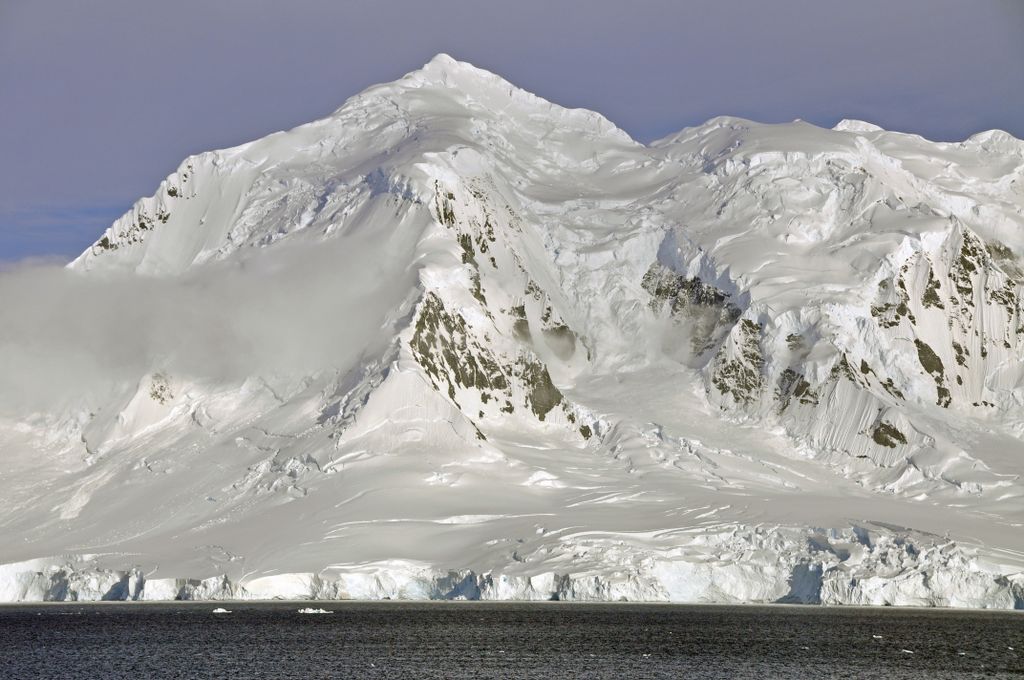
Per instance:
(747,362)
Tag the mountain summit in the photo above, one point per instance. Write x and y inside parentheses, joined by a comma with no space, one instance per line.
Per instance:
(460,342)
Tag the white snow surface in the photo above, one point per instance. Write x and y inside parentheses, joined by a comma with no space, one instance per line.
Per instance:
(745,363)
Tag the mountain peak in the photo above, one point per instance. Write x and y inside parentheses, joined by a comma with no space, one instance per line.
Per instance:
(447,71)
(445,82)
(444,63)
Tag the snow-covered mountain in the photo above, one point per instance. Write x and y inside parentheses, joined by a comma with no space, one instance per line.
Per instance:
(743,363)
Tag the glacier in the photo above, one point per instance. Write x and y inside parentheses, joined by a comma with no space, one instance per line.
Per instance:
(454,341)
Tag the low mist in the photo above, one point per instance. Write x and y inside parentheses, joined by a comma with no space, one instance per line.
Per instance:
(72,338)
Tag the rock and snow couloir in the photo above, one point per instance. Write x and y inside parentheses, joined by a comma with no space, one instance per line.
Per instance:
(758,363)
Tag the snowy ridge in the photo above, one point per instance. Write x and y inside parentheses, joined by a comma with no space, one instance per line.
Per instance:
(769,363)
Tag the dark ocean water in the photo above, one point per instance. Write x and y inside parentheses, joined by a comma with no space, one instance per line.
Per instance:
(479,640)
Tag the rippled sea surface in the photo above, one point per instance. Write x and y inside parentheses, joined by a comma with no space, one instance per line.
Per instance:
(480,640)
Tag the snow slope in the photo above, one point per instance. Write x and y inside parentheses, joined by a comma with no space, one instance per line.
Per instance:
(757,363)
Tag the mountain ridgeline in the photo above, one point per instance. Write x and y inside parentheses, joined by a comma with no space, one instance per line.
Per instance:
(745,362)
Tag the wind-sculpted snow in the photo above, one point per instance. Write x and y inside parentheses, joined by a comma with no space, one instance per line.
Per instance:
(455,341)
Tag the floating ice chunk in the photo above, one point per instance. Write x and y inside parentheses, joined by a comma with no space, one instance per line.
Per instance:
(311,610)
(907,651)
(221,610)
(877,637)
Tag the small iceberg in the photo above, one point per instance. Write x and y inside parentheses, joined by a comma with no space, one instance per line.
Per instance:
(221,610)
(310,610)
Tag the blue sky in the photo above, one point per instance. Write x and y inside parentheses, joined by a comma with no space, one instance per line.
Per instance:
(101,100)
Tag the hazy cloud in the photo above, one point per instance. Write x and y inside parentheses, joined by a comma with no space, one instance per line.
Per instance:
(67,337)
